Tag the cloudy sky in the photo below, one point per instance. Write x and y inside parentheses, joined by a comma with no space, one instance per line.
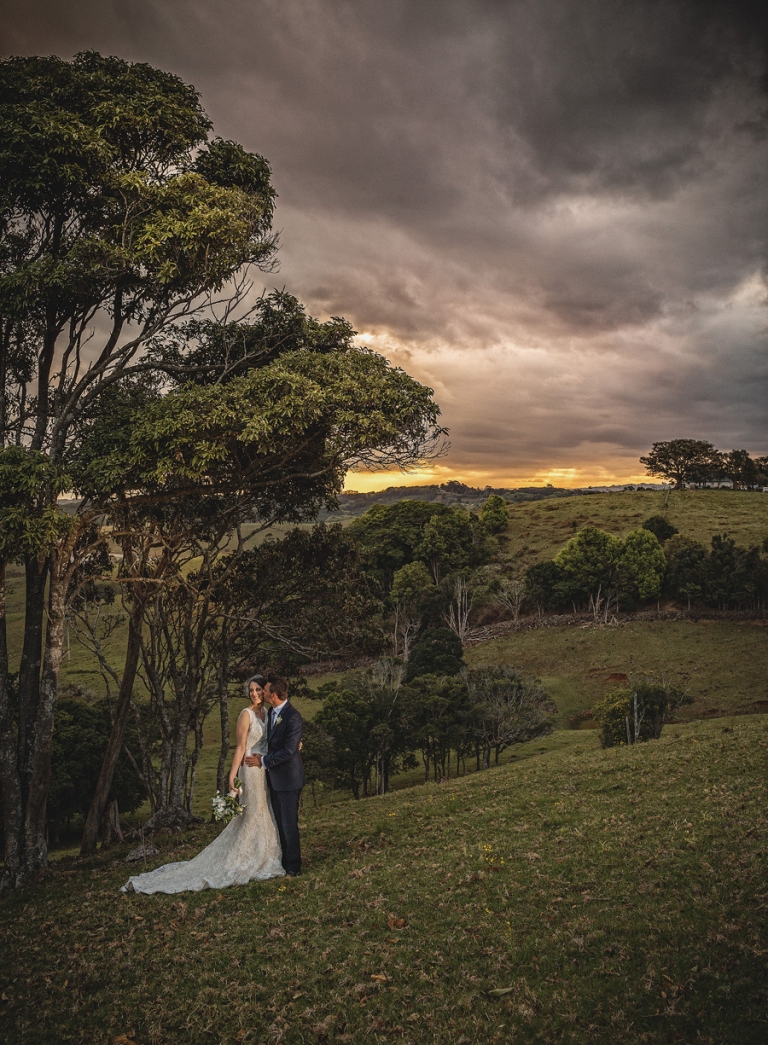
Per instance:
(552,211)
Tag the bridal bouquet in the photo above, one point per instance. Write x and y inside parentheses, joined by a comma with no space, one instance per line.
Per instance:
(227,807)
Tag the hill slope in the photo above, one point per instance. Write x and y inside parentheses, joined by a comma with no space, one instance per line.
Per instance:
(605,896)
(537,530)
(720,663)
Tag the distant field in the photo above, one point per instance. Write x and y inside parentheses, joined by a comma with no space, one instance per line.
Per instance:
(537,530)
(722,664)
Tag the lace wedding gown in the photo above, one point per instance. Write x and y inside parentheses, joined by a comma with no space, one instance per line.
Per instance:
(248,848)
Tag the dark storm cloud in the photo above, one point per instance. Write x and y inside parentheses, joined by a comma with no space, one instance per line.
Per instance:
(553,211)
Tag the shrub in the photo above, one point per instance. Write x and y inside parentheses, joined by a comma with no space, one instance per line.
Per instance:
(660,528)
(611,714)
(437,652)
(638,712)
(81,732)
(494,515)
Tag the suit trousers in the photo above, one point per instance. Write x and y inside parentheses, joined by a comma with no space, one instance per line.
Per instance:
(285,805)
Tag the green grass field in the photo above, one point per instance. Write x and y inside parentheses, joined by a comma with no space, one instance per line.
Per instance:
(538,529)
(722,664)
(579,896)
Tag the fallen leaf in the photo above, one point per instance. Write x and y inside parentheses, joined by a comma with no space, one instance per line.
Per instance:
(298,994)
(499,992)
(379,977)
(396,923)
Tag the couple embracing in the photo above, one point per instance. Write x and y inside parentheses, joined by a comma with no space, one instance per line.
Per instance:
(264,841)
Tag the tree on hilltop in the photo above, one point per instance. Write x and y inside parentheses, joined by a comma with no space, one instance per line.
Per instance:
(739,467)
(683,460)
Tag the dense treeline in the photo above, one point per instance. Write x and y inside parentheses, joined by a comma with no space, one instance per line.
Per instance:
(401,580)
(374,724)
(599,571)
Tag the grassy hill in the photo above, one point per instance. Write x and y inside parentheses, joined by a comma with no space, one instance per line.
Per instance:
(580,896)
(537,530)
(721,663)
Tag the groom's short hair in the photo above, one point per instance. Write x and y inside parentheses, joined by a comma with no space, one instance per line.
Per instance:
(279,685)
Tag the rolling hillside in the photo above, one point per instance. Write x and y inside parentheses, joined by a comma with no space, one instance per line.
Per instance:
(580,896)
(537,530)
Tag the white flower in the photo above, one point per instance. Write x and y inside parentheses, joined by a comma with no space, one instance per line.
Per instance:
(227,807)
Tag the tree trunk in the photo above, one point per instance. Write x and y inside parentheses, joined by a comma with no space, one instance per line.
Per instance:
(178,766)
(221,771)
(36,575)
(116,737)
(35,841)
(193,760)
(112,830)
(10,782)
(166,753)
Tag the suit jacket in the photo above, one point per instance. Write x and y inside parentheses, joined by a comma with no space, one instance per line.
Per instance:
(283,759)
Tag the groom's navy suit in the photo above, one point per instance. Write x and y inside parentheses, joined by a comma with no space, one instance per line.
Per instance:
(285,777)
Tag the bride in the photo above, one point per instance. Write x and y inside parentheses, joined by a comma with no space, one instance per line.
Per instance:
(248,848)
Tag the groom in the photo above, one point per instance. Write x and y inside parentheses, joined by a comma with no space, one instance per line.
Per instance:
(284,769)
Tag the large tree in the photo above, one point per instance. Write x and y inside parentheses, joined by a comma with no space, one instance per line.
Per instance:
(118,217)
(119,221)
(683,461)
(190,468)
(739,467)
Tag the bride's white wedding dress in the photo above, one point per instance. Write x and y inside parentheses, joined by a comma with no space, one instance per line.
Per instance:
(248,848)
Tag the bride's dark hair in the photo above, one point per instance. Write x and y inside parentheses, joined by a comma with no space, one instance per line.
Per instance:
(258,679)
